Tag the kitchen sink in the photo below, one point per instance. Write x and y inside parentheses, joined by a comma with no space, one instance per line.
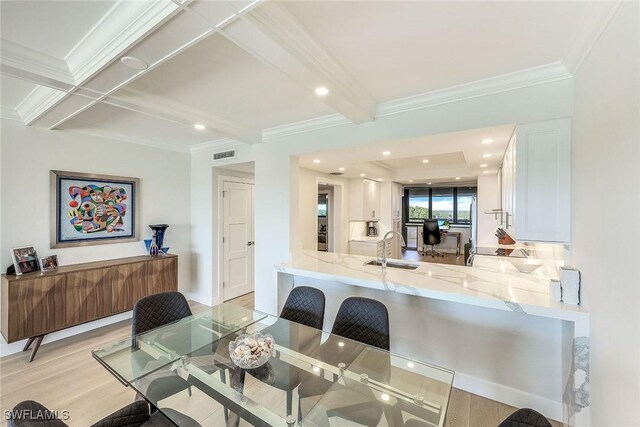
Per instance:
(393,264)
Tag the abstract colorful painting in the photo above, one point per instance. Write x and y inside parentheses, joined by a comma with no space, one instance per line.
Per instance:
(94,209)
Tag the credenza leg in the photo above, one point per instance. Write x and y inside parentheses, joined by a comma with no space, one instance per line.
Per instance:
(36,346)
(28,344)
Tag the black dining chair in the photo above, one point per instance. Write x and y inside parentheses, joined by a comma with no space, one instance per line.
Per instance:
(431,236)
(525,417)
(30,414)
(366,321)
(521,418)
(305,306)
(152,312)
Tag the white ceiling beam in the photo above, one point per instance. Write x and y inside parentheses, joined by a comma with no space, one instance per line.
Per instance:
(274,35)
(22,59)
(165,109)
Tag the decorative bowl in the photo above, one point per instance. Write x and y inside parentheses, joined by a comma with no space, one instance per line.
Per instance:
(525,265)
(250,351)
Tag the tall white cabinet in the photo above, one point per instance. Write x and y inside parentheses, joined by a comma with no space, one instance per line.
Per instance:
(535,182)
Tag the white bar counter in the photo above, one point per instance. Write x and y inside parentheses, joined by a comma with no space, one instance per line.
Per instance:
(492,283)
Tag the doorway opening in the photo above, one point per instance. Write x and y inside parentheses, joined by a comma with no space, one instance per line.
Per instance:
(326,222)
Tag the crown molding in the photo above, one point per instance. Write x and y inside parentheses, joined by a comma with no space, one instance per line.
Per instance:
(595,21)
(8,113)
(218,144)
(38,102)
(115,33)
(304,126)
(502,83)
(33,61)
(274,35)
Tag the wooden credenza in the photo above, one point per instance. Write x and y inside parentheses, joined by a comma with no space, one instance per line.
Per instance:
(36,304)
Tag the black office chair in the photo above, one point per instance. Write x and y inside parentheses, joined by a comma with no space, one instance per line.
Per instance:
(304,305)
(30,414)
(525,418)
(431,236)
(149,313)
(366,321)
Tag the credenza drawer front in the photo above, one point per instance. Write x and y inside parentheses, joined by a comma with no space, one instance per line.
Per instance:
(163,275)
(88,295)
(129,283)
(35,307)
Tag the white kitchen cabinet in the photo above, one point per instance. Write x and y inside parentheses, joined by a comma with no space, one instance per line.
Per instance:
(364,195)
(536,182)
(396,201)
(372,248)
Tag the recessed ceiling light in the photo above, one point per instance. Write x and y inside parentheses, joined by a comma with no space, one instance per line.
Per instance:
(384,396)
(410,180)
(485,171)
(428,183)
(133,62)
(425,161)
(484,165)
(457,178)
(386,153)
(486,156)
(199,126)
(341,169)
(362,174)
(410,365)
(487,141)
(322,91)
(316,161)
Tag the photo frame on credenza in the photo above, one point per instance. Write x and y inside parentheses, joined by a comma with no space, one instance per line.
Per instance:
(25,260)
(49,263)
(92,209)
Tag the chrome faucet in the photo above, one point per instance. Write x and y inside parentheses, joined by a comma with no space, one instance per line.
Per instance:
(384,246)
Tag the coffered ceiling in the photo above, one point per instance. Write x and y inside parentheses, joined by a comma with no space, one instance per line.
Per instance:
(246,69)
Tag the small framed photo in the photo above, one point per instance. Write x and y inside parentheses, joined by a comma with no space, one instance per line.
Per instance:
(25,260)
(49,263)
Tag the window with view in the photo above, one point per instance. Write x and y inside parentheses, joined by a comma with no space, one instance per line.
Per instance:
(450,203)
(418,204)
(442,203)
(464,197)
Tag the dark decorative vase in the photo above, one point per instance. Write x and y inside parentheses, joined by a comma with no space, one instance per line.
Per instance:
(158,233)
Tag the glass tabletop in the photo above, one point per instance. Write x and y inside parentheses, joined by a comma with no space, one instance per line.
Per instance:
(184,368)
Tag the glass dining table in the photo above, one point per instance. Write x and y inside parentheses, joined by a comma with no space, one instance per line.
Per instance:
(335,381)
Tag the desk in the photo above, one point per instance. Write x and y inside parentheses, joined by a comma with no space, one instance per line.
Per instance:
(444,233)
(344,374)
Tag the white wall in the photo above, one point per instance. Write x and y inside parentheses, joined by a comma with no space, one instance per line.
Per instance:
(605,179)
(488,198)
(28,155)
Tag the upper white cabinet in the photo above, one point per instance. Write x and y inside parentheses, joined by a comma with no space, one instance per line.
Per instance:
(536,182)
(364,195)
(396,201)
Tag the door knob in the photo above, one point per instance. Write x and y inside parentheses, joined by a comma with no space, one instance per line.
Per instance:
(249,243)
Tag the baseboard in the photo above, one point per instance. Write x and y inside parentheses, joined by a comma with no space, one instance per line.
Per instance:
(16,347)
(510,396)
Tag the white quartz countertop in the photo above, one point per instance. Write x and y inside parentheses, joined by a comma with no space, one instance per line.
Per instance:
(367,239)
(492,282)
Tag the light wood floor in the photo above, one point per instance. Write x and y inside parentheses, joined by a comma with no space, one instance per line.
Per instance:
(64,376)
(453,259)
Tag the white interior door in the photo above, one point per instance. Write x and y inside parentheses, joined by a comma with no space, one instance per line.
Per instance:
(238,239)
